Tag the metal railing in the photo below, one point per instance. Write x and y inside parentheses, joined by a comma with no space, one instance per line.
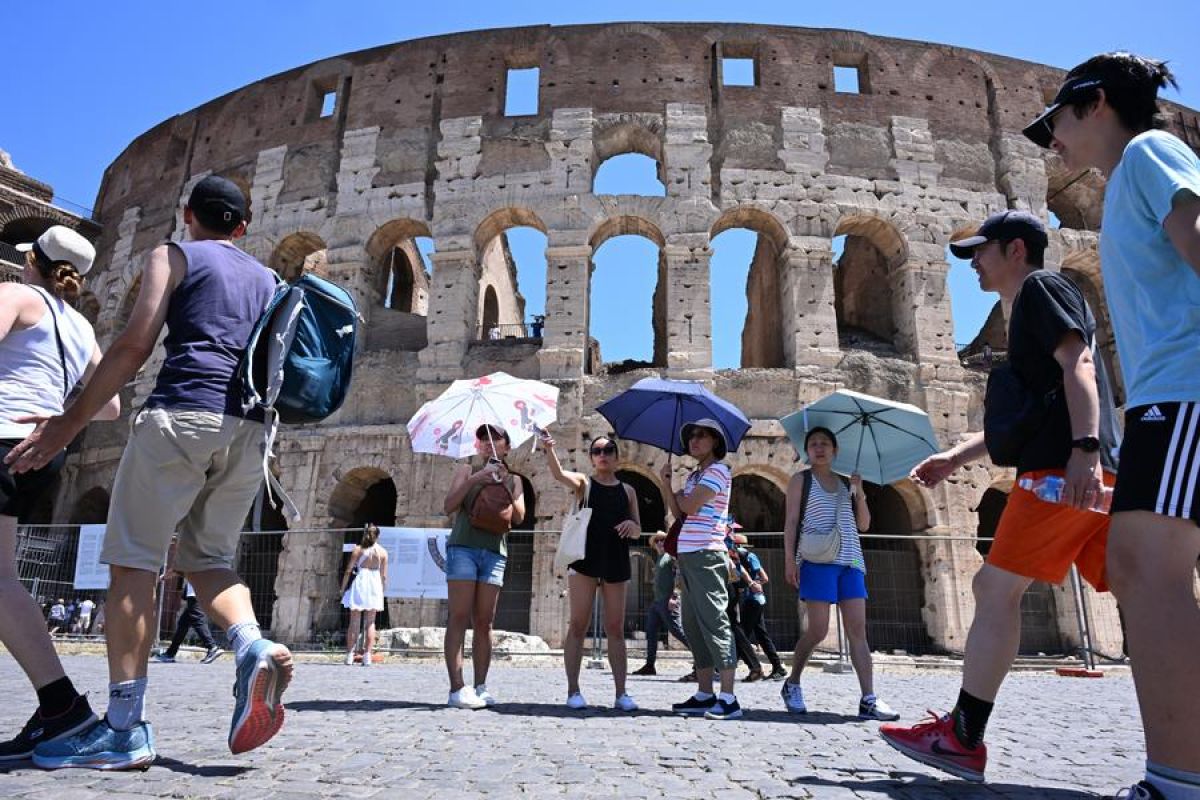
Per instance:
(895,611)
(509,330)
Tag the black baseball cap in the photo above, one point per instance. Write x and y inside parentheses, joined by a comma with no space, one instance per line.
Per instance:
(1005,225)
(218,203)
(1075,89)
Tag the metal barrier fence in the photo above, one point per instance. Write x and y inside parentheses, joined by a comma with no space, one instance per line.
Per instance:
(1056,620)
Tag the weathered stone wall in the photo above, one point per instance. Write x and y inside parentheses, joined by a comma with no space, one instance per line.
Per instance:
(418,145)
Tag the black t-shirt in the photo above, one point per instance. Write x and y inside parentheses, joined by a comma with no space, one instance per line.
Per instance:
(1049,306)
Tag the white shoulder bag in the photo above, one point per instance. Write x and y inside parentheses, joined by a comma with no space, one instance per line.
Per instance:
(572,545)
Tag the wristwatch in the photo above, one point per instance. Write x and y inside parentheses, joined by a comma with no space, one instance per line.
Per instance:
(1088,444)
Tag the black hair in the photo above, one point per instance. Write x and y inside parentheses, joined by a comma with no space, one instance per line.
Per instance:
(611,439)
(1035,252)
(497,433)
(1130,83)
(819,429)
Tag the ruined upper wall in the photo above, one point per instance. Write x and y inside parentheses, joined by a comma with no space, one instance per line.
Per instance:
(407,89)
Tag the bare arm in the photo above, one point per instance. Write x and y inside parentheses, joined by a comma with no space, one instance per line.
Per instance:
(1182,226)
(862,514)
(672,505)
(460,484)
(518,495)
(383,565)
(632,527)
(691,503)
(112,409)
(938,467)
(164,269)
(354,556)
(1083,406)
(575,481)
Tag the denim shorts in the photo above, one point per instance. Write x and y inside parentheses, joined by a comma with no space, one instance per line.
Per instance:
(831,583)
(474,564)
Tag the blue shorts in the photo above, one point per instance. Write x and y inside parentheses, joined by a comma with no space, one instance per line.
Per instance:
(831,583)
(474,564)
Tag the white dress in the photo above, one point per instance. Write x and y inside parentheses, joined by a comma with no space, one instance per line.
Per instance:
(366,591)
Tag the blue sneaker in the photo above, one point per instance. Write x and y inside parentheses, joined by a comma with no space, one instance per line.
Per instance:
(258,712)
(100,747)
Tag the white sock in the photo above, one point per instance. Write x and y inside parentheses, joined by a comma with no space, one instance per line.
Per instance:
(1175,784)
(726,697)
(126,703)
(703,696)
(241,636)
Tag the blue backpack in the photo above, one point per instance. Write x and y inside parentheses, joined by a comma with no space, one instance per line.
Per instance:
(298,360)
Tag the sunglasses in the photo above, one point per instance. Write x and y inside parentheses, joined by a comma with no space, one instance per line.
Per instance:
(698,432)
(605,450)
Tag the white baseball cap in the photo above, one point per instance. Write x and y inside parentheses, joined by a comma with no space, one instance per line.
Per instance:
(60,243)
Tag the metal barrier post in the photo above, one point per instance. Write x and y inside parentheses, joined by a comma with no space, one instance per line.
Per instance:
(596,661)
(1081,616)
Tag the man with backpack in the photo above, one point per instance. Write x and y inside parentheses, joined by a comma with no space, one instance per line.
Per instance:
(1068,434)
(193,463)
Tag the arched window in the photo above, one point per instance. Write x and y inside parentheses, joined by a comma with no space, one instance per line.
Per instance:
(630,173)
(512,249)
(627,304)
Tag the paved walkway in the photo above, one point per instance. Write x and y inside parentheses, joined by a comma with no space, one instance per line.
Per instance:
(354,732)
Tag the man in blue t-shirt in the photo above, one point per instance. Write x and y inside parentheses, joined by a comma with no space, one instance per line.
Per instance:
(193,462)
(1106,116)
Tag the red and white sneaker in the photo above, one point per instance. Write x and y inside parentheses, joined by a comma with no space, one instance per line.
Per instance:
(934,742)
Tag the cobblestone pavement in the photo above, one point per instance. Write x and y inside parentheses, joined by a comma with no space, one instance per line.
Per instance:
(385,731)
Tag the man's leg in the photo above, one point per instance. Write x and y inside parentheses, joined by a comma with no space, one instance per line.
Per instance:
(654,623)
(182,626)
(1151,567)
(198,621)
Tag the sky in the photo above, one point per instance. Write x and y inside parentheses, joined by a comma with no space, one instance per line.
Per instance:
(83,79)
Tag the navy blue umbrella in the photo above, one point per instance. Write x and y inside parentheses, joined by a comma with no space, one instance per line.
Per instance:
(654,409)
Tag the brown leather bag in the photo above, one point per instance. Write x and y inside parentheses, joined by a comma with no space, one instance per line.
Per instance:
(492,509)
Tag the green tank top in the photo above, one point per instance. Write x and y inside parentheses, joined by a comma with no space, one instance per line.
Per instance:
(463,534)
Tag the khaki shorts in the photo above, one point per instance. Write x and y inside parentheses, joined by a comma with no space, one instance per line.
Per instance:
(195,472)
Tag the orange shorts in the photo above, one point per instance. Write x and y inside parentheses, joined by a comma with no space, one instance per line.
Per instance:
(1042,540)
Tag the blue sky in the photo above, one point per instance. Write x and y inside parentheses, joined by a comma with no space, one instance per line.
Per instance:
(85,78)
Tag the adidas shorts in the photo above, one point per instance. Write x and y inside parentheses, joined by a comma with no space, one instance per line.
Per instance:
(1160,461)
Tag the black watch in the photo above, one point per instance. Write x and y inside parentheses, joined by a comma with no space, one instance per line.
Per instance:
(1088,444)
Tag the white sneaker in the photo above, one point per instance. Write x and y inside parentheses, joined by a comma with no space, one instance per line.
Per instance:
(350,659)
(874,708)
(465,698)
(793,697)
(625,703)
(367,659)
(576,702)
(483,694)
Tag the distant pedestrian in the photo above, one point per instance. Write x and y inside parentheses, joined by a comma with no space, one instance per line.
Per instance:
(663,613)
(46,348)
(739,580)
(87,608)
(191,618)
(605,566)
(754,605)
(363,595)
(194,461)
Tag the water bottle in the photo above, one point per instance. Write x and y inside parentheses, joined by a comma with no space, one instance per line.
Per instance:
(1049,488)
(759,597)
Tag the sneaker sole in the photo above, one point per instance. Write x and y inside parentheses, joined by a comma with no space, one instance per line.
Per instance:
(734,715)
(879,718)
(929,760)
(28,754)
(142,759)
(263,714)
(691,712)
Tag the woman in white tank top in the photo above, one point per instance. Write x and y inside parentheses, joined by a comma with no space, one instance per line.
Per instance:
(36,375)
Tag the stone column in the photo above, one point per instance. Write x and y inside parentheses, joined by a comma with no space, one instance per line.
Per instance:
(565,337)
(1022,173)
(689,307)
(921,305)
(453,307)
(810,336)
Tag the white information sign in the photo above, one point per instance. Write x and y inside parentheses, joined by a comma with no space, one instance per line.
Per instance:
(89,572)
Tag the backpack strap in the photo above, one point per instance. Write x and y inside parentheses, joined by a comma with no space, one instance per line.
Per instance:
(62,357)
(805,488)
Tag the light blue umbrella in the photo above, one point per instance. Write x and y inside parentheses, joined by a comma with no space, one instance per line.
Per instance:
(879,439)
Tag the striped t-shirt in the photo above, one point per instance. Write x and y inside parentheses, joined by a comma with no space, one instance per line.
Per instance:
(822,511)
(705,530)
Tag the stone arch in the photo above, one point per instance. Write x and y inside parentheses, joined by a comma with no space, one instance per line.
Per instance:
(629,134)
(601,233)
(895,579)
(922,66)
(664,49)
(23,223)
(361,496)
(297,253)
(874,249)
(91,508)
(756,502)
(652,509)
(501,220)
(762,339)
(400,279)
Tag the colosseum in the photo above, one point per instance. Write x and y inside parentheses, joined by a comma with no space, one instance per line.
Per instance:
(351,160)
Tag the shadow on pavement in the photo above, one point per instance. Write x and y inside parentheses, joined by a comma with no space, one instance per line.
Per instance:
(210,771)
(359,705)
(910,785)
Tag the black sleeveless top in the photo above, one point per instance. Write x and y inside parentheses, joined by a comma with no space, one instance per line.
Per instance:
(606,553)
